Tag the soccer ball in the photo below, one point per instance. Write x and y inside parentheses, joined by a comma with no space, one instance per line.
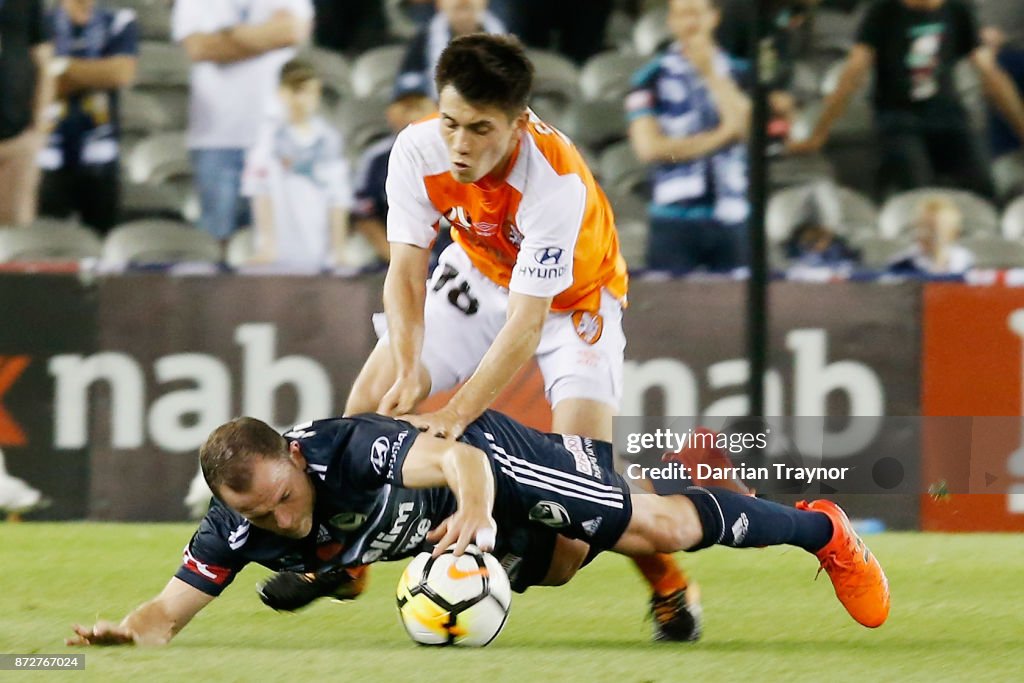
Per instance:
(452,600)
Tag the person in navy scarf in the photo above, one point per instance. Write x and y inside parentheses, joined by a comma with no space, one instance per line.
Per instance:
(97,50)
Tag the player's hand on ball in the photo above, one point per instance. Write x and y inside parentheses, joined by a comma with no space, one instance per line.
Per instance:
(103,633)
(462,529)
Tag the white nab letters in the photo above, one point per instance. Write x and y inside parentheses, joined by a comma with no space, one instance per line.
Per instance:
(181,419)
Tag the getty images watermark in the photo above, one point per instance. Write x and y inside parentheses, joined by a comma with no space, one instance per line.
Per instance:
(857,455)
(735,446)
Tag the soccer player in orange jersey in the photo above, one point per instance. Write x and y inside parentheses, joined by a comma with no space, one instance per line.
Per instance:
(534,271)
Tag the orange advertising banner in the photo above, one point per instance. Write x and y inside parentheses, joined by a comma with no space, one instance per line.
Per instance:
(973,345)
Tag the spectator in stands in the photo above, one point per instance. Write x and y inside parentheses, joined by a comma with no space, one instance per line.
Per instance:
(298,179)
(688,119)
(97,50)
(237,50)
(453,18)
(935,251)
(410,102)
(814,242)
(575,28)
(913,46)
(26,90)
(1003,31)
(787,18)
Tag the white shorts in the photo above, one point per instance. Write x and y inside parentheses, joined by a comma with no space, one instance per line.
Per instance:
(580,355)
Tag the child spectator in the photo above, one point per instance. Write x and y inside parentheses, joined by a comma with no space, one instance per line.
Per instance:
(935,252)
(298,179)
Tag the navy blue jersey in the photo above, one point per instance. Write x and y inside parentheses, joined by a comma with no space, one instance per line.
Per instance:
(361,515)
(89,127)
(544,484)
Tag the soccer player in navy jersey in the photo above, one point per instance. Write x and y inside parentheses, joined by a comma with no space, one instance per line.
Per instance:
(342,493)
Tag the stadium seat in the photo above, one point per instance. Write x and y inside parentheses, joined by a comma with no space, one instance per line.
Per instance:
(808,76)
(856,126)
(650,32)
(1008,175)
(597,124)
(240,248)
(833,30)
(788,171)
(140,200)
(554,111)
(173,101)
(876,252)
(334,72)
(980,217)
(154,18)
(400,24)
(618,33)
(142,113)
(606,76)
(633,242)
(995,252)
(628,207)
(159,158)
(845,211)
(149,242)
(162,64)
(373,72)
(621,172)
(361,122)
(1013,220)
(555,77)
(48,240)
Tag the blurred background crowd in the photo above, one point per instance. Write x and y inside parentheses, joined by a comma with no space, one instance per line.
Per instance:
(256,132)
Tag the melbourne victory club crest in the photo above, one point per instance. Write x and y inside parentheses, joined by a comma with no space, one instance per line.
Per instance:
(550,513)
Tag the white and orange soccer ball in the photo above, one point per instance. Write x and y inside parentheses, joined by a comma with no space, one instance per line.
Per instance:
(452,600)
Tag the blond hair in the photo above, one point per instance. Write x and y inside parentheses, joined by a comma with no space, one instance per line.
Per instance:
(943,208)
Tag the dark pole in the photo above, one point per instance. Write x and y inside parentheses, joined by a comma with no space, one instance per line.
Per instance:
(763,69)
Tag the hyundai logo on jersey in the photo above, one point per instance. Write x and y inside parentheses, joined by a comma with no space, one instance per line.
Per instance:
(549,256)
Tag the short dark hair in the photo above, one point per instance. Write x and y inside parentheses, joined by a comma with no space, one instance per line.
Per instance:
(296,73)
(229,451)
(487,69)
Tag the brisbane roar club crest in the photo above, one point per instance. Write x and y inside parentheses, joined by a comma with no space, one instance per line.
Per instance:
(460,218)
(588,326)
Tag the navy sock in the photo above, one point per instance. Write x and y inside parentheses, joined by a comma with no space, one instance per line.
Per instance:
(741,521)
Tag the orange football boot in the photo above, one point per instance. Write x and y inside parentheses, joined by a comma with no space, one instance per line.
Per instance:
(857,577)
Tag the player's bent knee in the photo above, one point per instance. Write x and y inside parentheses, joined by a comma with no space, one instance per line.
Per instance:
(661,524)
(567,558)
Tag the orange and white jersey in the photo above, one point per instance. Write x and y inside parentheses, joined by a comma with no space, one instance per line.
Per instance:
(546,229)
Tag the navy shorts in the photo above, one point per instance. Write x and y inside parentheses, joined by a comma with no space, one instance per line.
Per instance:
(563,483)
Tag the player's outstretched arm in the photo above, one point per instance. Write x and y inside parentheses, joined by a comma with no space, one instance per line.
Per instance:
(433,462)
(511,349)
(405,292)
(152,623)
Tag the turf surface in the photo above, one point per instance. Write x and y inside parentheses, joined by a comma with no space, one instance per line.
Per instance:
(957,615)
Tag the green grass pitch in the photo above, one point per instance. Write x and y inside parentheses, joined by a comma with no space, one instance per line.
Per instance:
(957,615)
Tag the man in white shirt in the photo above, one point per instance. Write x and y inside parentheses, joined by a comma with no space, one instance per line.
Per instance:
(237,48)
